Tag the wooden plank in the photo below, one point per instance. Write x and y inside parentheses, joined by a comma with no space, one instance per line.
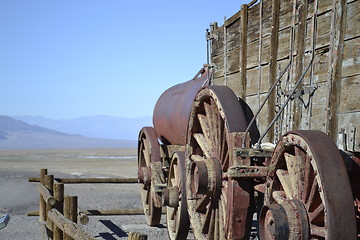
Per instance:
(335,66)
(252,83)
(299,67)
(262,121)
(350,95)
(351,57)
(235,84)
(233,61)
(243,49)
(352,20)
(254,21)
(225,53)
(318,117)
(233,33)
(217,43)
(273,62)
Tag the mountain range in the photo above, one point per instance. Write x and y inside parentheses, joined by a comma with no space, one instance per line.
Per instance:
(15,134)
(100,126)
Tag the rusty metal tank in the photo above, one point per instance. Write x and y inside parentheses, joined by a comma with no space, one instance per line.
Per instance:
(172,110)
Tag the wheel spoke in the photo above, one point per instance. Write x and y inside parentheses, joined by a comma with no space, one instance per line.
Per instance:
(203,144)
(225,164)
(206,225)
(317,231)
(285,181)
(196,158)
(314,188)
(212,222)
(206,130)
(202,203)
(223,142)
(293,168)
(217,224)
(308,178)
(176,176)
(319,210)
(212,124)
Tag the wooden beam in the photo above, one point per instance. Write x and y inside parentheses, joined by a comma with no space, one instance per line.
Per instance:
(46,195)
(273,63)
(225,52)
(106,212)
(89,180)
(243,49)
(300,58)
(70,228)
(337,34)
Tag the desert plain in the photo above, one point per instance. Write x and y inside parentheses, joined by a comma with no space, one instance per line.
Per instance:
(18,196)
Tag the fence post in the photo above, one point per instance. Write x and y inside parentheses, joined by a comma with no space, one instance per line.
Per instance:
(70,211)
(49,184)
(137,236)
(42,208)
(59,196)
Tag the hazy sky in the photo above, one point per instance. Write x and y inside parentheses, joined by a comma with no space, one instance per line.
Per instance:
(72,58)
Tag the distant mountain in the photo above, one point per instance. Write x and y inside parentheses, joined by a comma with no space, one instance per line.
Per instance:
(16,134)
(93,126)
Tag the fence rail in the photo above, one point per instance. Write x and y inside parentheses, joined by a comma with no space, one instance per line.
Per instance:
(59,214)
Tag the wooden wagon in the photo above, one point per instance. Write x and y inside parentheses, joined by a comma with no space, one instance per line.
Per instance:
(271,125)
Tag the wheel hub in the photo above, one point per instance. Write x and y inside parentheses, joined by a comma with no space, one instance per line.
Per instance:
(287,220)
(171,197)
(144,176)
(206,177)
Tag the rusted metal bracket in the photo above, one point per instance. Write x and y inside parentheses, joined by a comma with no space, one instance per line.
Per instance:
(211,35)
(251,152)
(347,139)
(309,89)
(158,188)
(247,172)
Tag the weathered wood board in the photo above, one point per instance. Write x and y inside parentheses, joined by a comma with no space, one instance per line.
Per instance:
(320,36)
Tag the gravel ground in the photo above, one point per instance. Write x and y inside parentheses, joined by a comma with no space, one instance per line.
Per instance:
(18,196)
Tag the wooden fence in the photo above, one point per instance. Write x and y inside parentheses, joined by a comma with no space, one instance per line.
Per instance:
(59,214)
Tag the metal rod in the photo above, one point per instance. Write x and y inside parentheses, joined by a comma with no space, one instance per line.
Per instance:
(285,103)
(266,98)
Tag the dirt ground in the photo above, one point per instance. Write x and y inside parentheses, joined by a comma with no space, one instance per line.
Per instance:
(18,196)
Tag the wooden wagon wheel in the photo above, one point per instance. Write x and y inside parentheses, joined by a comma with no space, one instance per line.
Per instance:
(177,217)
(150,174)
(308,194)
(219,207)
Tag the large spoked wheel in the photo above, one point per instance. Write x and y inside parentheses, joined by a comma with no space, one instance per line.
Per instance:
(308,193)
(219,207)
(149,173)
(177,217)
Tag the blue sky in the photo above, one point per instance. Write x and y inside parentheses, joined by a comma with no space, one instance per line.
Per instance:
(72,58)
